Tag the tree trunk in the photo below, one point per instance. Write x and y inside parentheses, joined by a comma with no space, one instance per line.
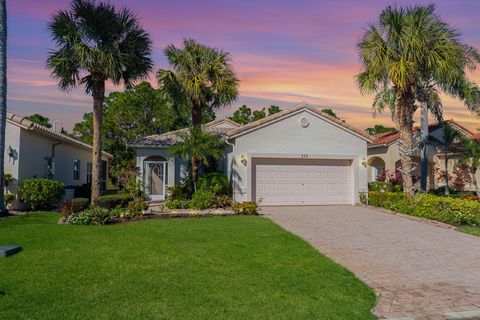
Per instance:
(197,118)
(98,98)
(424,145)
(404,121)
(3,96)
(447,192)
(194,172)
(406,140)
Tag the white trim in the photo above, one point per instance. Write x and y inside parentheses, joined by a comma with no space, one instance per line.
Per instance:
(145,172)
(353,166)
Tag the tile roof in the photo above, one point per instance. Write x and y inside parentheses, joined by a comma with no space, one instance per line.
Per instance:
(387,138)
(35,127)
(173,137)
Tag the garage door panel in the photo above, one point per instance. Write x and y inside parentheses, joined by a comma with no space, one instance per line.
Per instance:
(302,182)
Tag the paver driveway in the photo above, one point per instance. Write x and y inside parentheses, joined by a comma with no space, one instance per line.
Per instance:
(417,268)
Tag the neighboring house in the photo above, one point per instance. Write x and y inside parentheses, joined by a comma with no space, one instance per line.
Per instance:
(32,150)
(300,156)
(383,154)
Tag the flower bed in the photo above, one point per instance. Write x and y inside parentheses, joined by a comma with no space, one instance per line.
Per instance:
(445,209)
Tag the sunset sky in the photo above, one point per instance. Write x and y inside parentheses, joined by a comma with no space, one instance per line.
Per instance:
(284,52)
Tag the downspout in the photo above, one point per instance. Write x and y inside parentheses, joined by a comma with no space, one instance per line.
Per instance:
(52,158)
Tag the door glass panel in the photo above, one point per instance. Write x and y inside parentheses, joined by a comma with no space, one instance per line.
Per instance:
(156,177)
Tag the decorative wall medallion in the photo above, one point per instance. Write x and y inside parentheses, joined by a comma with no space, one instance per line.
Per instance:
(304,122)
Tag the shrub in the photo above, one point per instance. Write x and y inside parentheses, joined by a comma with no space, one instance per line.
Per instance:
(177,204)
(40,193)
(214,182)
(7,179)
(75,205)
(222,202)
(247,207)
(8,199)
(113,200)
(137,207)
(181,191)
(446,209)
(384,186)
(93,216)
(202,200)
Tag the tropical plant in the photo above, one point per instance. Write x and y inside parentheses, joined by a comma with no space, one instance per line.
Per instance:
(202,79)
(471,156)
(410,48)
(450,140)
(98,43)
(39,119)
(3,95)
(198,146)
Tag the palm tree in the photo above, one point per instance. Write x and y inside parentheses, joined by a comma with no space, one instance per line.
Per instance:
(472,156)
(3,96)
(202,79)
(198,146)
(406,48)
(97,43)
(451,137)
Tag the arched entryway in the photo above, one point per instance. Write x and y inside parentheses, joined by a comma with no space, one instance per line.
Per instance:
(155,177)
(376,167)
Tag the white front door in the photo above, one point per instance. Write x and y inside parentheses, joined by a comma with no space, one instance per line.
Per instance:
(303,182)
(155,179)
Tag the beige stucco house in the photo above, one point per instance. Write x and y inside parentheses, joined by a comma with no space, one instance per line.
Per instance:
(300,156)
(32,150)
(383,154)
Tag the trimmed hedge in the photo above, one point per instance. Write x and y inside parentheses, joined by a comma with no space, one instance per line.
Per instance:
(113,201)
(445,209)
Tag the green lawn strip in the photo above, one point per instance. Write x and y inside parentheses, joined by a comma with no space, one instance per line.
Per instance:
(469,229)
(239,267)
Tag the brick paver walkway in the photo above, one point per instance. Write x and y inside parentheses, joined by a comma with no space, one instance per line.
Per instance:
(418,269)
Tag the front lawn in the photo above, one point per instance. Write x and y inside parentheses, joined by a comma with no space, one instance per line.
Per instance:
(241,267)
(471,230)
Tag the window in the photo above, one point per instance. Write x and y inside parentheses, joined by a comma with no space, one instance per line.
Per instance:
(76,169)
(89,172)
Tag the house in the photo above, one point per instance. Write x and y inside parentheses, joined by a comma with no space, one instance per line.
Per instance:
(300,156)
(384,155)
(32,150)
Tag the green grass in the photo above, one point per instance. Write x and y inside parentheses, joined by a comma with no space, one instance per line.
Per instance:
(241,267)
(469,229)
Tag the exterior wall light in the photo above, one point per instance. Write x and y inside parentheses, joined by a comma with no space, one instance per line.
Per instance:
(243,160)
(364,162)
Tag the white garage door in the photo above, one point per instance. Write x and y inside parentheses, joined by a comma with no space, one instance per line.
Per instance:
(302,181)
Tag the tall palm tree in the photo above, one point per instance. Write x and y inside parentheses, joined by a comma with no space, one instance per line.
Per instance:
(471,156)
(451,137)
(199,145)
(407,47)
(202,79)
(3,96)
(98,43)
